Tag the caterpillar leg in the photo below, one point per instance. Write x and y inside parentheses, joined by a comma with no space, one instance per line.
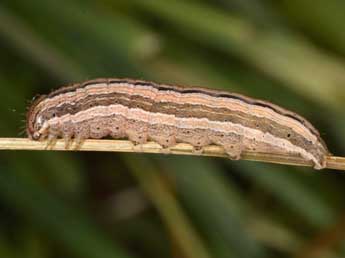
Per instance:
(231,142)
(233,151)
(81,132)
(53,133)
(163,135)
(319,165)
(68,141)
(165,142)
(198,150)
(78,142)
(51,141)
(136,132)
(198,138)
(67,133)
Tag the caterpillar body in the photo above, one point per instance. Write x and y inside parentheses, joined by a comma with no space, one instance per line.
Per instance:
(169,114)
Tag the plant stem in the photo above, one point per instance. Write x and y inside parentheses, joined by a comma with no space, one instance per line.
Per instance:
(333,162)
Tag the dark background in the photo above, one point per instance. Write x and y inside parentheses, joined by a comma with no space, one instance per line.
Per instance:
(290,52)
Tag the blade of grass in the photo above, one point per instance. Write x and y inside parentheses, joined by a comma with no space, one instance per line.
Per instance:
(216,204)
(59,221)
(321,19)
(285,186)
(24,40)
(164,200)
(287,57)
(109,41)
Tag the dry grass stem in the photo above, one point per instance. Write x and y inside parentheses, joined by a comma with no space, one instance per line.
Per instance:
(151,147)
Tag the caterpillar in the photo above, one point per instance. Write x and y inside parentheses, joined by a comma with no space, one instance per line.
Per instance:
(169,114)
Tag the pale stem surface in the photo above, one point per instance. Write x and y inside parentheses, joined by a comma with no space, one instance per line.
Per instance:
(333,162)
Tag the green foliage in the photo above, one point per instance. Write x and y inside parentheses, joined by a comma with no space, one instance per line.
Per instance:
(111,205)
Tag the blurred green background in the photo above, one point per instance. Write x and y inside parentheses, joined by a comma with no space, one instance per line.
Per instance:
(53,204)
